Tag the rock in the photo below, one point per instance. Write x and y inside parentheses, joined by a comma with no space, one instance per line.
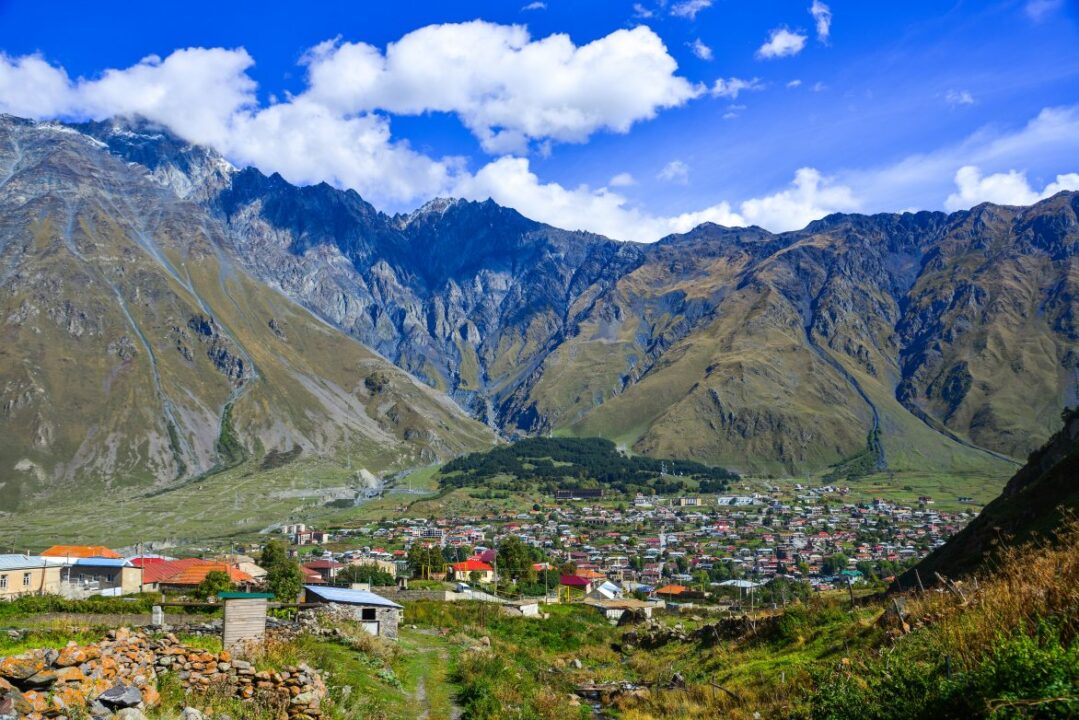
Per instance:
(190,713)
(20,667)
(121,696)
(576,663)
(130,714)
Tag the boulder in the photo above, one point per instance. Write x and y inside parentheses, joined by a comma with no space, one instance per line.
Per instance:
(20,667)
(121,696)
(130,714)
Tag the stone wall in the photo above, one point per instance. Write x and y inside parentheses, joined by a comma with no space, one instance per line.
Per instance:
(121,673)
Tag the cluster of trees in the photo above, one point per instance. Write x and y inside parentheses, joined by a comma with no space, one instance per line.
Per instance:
(424,561)
(283,575)
(370,574)
(583,462)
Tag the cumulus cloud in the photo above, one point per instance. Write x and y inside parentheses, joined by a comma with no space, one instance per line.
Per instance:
(731,87)
(782,43)
(810,197)
(822,16)
(1002,188)
(640,11)
(794,83)
(700,49)
(535,6)
(510,181)
(622,180)
(675,171)
(511,90)
(955,98)
(689,8)
(507,88)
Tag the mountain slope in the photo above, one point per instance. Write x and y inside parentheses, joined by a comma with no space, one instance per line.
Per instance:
(893,341)
(136,350)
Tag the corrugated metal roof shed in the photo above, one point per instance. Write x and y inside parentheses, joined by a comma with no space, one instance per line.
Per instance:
(346,596)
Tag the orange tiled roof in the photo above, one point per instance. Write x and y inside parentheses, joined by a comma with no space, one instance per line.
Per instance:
(470,565)
(81,551)
(192,571)
(671,590)
(590,574)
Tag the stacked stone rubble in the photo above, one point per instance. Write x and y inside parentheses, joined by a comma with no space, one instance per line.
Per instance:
(120,674)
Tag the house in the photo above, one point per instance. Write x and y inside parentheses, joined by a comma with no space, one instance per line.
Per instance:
(327,569)
(462,571)
(377,615)
(187,574)
(28,575)
(671,591)
(387,566)
(103,576)
(74,552)
(606,591)
(576,582)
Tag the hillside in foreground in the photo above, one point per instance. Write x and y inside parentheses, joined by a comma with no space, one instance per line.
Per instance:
(1036,502)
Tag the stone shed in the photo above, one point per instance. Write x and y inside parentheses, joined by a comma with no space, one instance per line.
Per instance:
(378,615)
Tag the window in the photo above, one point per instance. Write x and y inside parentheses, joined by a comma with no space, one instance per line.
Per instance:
(3,581)
(368,614)
(26,579)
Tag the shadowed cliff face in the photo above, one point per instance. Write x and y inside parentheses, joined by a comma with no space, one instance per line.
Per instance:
(135,349)
(919,340)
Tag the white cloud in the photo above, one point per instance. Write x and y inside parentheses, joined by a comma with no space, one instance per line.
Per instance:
(731,87)
(507,88)
(509,181)
(675,171)
(640,11)
(819,87)
(689,8)
(955,98)
(1003,188)
(31,87)
(622,180)
(535,6)
(822,16)
(1038,10)
(782,43)
(700,49)
(511,90)
(810,197)
(733,111)
(794,83)
(924,180)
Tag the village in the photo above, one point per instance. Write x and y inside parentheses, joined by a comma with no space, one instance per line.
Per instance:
(616,554)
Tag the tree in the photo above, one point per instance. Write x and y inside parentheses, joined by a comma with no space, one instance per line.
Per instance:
(515,560)
(370,574)
(215,583)
(283,576)
(423,561)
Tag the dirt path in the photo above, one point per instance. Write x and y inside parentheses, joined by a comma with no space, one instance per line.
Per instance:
(433,694)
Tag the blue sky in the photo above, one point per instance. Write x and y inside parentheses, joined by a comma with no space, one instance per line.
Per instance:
(641,119)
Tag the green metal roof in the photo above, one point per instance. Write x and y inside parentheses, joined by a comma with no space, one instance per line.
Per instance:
(243,596)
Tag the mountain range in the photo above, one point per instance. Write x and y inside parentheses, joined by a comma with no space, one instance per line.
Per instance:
(165,314)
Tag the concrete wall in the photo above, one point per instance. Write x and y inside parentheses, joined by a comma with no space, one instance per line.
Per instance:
(31,581)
